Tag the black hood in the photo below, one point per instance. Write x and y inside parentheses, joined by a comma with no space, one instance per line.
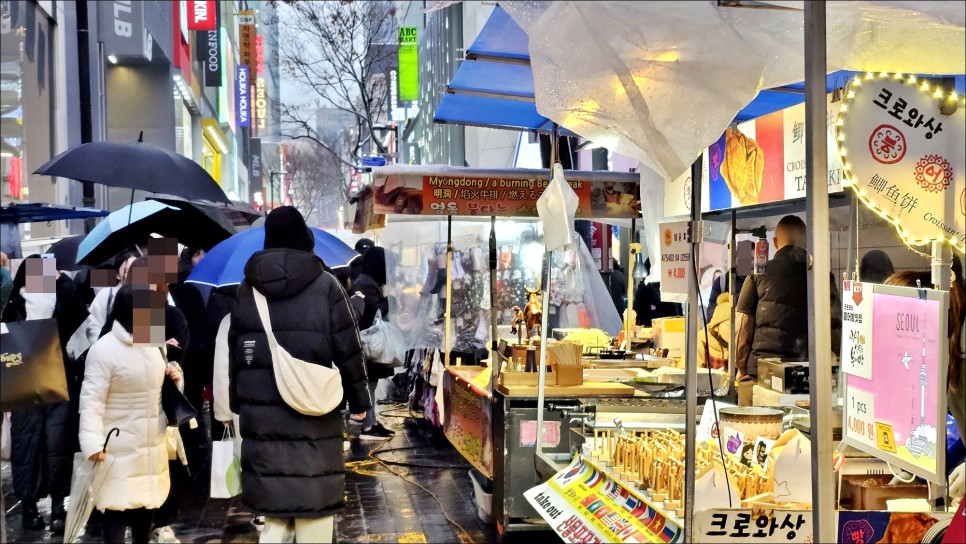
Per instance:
(789,260)
(282,273)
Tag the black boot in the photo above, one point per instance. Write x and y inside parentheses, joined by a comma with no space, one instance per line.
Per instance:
(30,519)
(58,515)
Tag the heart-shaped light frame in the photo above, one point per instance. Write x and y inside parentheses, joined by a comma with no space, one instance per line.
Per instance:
(848,178)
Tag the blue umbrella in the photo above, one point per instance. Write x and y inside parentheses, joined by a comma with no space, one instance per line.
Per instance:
(225,263)
(119,229)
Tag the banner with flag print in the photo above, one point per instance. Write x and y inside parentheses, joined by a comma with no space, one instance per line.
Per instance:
(582,503)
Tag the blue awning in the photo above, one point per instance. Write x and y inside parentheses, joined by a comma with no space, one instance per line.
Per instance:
(500,39)
(41,213)
(485,111)
(498,79)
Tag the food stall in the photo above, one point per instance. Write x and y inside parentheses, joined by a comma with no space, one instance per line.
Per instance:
(636,486)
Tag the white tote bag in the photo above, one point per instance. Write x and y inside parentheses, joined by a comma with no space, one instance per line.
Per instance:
(310,389)
(225,468)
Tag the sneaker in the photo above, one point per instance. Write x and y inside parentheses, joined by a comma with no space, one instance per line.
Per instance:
(390,431)
(376,432)
(164,535)
(259,523)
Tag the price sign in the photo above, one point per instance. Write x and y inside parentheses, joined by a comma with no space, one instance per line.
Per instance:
(675,261)
(904,157)
(856,329)
(860,415)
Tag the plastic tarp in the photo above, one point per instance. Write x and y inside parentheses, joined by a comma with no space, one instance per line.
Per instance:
(660,81)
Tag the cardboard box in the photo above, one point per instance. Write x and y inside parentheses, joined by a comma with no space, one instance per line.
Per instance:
(668,333)
(781,377)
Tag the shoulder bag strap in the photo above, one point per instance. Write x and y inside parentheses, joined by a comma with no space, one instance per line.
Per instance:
(262,305)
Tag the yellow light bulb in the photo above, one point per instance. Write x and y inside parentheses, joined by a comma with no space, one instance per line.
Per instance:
(869,75)
(953,96)
(938,93)
(851,94)
(925,86)
(912,79)
(842,139)
(857,82)
(954,241)
(897,76)
(844,108)
(883,74)
(848,166)
(862,192)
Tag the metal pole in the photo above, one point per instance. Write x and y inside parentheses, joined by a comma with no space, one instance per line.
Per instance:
(631,285)
(449,288)
(693,325)
(733,293)
(542,376)
(819,288)
(494,331)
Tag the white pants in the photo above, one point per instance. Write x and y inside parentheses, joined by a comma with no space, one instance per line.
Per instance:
(320,530)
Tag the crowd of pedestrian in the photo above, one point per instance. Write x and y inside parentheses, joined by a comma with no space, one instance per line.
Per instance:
(121,342)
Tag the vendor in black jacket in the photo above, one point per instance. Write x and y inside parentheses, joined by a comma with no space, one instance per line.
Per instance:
(772,311)
(293,469)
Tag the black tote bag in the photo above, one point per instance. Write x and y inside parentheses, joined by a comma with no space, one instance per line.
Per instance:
(31,365)
(176,407)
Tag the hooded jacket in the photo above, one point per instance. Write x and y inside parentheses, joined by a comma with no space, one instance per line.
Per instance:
(292,464)
(778,299)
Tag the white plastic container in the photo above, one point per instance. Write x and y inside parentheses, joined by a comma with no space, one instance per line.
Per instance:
(484,500)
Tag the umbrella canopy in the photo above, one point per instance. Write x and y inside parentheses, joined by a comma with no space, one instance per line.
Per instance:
(231,216)
(118,230)
(39,213)
(136,165)
(225,263)
(65,252)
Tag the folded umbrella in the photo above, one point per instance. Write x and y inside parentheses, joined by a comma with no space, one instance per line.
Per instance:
(136,165)
(89,477)
(225,263)
(118,230)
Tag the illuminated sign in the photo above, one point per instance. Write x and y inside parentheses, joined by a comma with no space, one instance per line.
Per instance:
(202,15)
(243,95)
(408,63)
(904,157)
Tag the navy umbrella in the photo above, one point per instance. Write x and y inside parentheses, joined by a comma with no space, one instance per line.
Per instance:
(136,165)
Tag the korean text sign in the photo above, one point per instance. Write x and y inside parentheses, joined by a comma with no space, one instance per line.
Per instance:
(895,395)
(904,157)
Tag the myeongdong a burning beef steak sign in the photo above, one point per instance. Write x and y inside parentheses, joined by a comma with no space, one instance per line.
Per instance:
(904,157)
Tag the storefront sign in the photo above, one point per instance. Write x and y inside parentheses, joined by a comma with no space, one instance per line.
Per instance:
(259,54)
(209,53)
(905,158)
(201,15)
(122,30)
(857,329)
(467,421)
(243,95)
(261,102)
(583,504)
(255,162)
(747,525)
(897,413)
(763,161)
(246,38)
(675,261)
(408,63)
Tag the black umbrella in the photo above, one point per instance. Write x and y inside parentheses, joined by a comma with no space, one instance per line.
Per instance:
(65,252)
(135,165)
(227,216)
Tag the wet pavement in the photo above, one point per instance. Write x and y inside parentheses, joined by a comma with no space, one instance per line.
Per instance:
(381,506)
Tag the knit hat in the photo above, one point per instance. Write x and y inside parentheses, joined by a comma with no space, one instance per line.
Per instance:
(285,228)
(363,245)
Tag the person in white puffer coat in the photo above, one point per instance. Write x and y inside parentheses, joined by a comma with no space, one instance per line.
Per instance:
(122,388)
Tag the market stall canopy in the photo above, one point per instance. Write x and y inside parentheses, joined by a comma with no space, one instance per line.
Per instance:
(40,213)
(494,87)
(660,81)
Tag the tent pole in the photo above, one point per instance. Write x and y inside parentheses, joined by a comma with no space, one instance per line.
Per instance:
(548,257)
(692,326)
(495,361)
(819,287)
(449,289)
(631,285)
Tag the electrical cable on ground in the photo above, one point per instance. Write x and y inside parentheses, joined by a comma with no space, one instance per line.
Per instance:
(372,455)
(707,361)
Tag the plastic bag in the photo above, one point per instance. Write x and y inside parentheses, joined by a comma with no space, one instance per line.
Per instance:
(384,343)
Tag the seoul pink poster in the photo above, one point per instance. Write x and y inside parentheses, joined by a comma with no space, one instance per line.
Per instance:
(905,357)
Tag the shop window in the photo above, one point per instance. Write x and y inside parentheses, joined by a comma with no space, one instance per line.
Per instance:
(26,121)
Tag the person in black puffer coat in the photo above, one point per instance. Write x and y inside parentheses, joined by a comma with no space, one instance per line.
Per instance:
(293,469)
(44,439)
(773,309)
(371,283)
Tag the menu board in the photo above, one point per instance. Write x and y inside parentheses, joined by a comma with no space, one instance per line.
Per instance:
(894,362)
